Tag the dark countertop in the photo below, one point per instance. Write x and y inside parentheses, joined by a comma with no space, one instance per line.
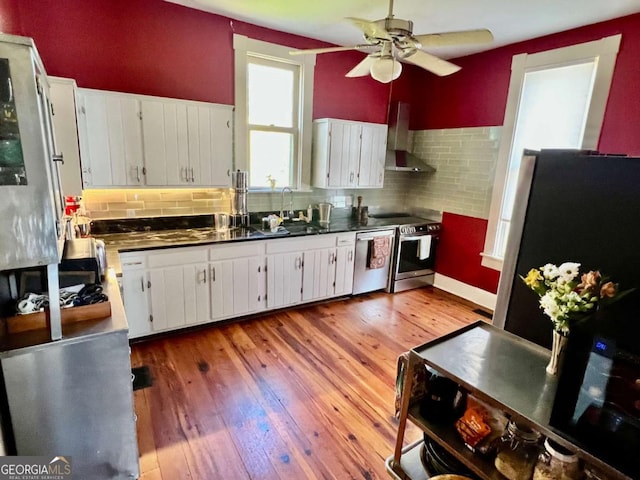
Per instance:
(133,241)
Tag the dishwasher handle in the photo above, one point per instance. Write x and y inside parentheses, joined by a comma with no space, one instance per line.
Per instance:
(367,238)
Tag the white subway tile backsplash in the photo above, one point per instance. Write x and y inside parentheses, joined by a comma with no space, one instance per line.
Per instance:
(465,160)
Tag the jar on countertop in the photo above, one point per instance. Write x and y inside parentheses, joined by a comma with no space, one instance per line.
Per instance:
(517,452)
(557,463)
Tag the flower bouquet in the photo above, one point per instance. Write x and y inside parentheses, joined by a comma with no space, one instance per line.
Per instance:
(567,300)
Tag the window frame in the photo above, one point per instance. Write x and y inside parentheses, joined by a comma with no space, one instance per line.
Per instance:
(244,48)
(604,53)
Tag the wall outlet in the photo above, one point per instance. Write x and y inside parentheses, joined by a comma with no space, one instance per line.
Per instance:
(131,212)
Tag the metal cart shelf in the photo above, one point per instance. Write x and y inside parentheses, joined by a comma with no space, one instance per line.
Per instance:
(501,369)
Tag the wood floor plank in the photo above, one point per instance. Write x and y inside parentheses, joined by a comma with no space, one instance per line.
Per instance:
(304,393)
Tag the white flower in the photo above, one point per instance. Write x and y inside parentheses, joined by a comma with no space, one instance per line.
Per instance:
(550,271)
(568,271)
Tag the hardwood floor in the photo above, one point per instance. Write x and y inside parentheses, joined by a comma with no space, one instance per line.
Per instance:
(299,394)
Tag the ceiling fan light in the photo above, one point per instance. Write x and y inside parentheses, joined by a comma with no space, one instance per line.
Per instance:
(386,69)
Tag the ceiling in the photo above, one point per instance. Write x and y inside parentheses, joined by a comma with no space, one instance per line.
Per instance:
(510,21)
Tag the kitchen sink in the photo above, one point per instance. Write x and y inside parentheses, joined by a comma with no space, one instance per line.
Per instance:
(257,232)
(287,229)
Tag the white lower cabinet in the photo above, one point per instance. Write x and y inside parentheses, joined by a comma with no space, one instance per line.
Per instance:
(284,279)
(238,279)
(345,252)
(318,274)
(134,295)
(173,288)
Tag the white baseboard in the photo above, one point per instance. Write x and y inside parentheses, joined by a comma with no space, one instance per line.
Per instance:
(468,292)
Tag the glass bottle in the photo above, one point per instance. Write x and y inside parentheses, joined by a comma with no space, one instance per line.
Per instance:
(517,452)
(556,463)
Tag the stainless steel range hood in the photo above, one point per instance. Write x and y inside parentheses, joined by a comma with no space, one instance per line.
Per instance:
(398,158)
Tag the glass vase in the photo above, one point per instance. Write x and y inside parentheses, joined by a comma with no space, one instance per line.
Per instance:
(558,348)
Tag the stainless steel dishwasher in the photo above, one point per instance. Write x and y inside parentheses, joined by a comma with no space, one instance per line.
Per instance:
(366,277)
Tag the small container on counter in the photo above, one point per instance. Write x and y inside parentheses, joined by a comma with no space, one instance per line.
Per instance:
(517,452)
(557,463)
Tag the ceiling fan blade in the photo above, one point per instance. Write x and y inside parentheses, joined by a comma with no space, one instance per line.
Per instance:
(430,62)
(455,38)
(326,50)
(363,68)
(370,29)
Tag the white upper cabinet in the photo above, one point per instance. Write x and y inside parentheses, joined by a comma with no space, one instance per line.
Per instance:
(136,140)
(110,137)
(63,94)
(348,154)
(210,145)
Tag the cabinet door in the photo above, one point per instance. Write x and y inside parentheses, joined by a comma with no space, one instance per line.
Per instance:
(110,139)
(167,294)
(65,123)
(344,154)
(284,279)
(94,140)
(166,147)
(248,285)
(210,145)
(124,113)
(373,150)
(344,270)
(136,302)
(196,293)
(221,289)
(221,145)
(318,274)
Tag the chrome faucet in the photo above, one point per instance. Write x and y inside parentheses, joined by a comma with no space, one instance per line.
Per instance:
(290,212)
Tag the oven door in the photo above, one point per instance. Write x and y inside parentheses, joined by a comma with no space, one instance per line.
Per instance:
(416,255)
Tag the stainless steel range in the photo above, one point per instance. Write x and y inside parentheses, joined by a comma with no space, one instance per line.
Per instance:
(414,251)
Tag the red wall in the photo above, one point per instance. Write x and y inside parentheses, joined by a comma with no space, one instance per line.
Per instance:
(477,96)
(461,241)
(155,47)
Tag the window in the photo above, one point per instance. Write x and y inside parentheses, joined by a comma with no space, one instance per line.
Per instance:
(274,93)
(556,99)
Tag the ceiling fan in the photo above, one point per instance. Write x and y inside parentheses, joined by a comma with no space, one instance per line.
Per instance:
(391,41)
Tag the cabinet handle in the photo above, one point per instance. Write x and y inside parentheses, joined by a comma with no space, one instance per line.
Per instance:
(351,177)
(148,283)
(142,283)
(228,172)
(204,275)
(259,298)
(138,174)
(350,255)
(192,176)
(58,158)
(298,263)
(380,178)
(259,268)
(213,274)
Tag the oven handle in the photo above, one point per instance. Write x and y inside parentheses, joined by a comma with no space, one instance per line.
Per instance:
(417,237)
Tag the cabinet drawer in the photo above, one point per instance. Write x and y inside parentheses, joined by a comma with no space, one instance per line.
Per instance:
(286,245)
(225,252)
(133,261)
(179,256)
(348,238)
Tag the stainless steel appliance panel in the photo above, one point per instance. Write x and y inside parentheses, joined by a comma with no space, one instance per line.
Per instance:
(367,279)
(30,231)
(75,399)
(413,267)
